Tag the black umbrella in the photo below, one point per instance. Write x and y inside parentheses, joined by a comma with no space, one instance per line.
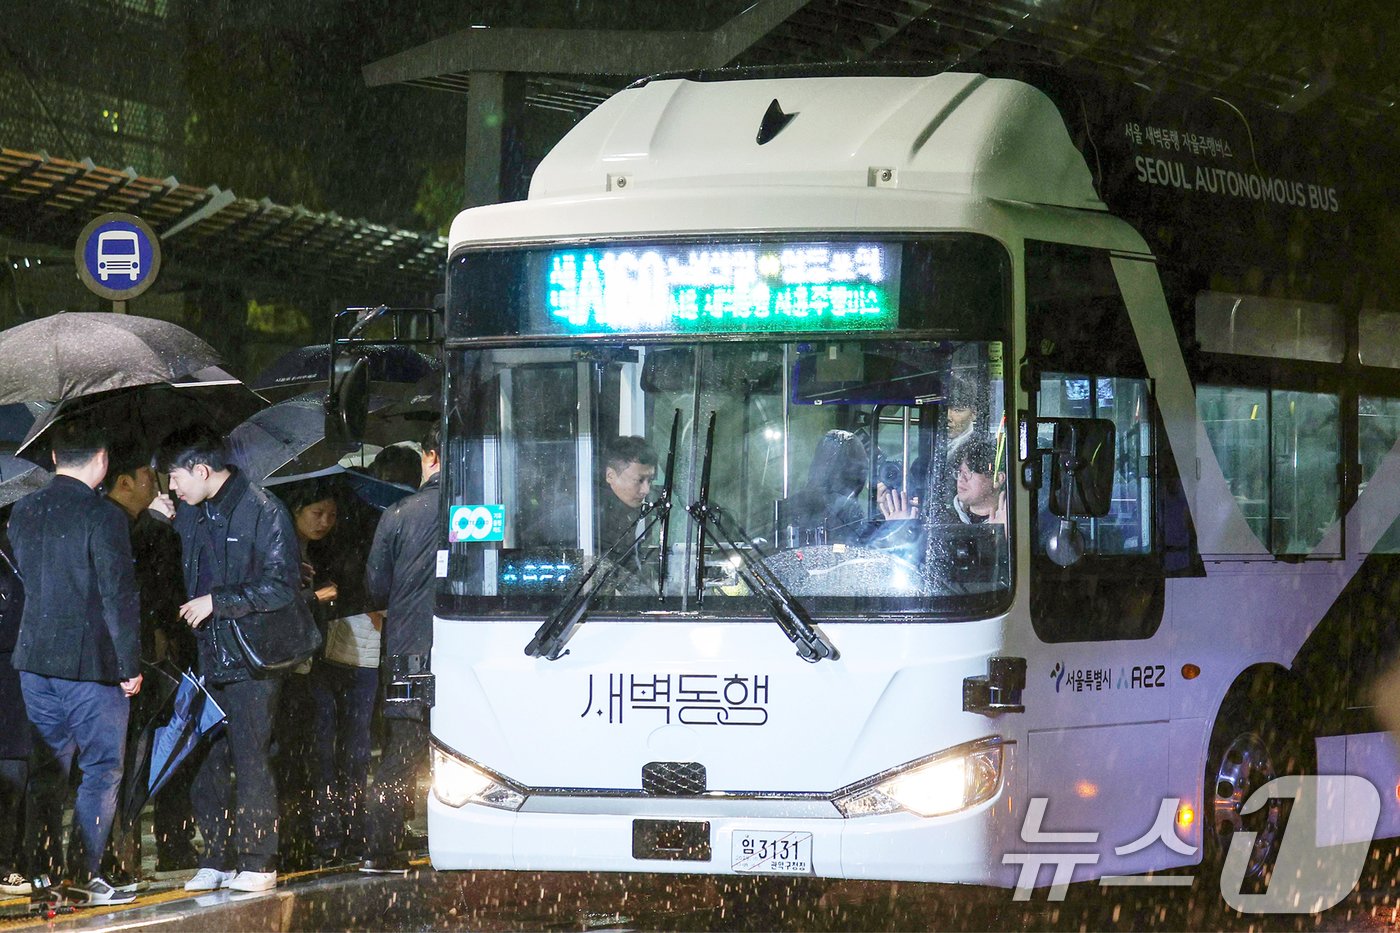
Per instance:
(295,372)
(290,432)
(71,354)
(373,491)
(15,421)
(18,478)
(144,415)
(289,438)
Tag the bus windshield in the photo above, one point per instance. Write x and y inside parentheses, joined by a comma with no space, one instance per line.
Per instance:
(865,472)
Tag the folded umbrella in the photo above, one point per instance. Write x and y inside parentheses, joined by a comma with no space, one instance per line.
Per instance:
(189,718)
(76,353)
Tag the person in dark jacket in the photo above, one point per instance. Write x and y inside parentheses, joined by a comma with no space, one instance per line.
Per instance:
(240,557)
(629,468)
(132,485)
(828,510)
(400,576)
(79,647)
(14,741)
(334,529)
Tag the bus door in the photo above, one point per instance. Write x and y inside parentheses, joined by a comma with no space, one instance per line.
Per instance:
(1102,756)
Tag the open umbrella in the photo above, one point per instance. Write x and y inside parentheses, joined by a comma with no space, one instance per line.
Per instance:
(372,490)
(289,438)
(75,353)
(294,372)
(16,419)
(289,432)
(187,719)
(18,478)
(144,415)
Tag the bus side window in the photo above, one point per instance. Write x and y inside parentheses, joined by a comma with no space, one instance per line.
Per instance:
(1279,451)
(1128,526)
(1379,430)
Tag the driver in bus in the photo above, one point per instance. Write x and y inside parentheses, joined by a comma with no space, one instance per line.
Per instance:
(629,468)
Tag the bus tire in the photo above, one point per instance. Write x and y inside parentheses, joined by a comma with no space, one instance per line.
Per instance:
(1255,739)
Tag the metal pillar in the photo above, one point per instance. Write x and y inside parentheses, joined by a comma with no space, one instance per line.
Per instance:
(495,157)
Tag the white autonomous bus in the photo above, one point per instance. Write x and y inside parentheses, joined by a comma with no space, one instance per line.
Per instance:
(979,527)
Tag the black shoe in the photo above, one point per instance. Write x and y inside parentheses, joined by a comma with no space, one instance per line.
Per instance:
(178,861)
(396,864)
(415,842)
(332,860)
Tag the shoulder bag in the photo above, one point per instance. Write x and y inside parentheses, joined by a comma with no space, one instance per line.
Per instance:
(274,642)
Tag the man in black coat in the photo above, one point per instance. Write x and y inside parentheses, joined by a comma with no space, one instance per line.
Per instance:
(240,556)
(400,576)
(79,643)
(14,742)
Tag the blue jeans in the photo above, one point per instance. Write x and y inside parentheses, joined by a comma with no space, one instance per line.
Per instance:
(87,719)
(344,703)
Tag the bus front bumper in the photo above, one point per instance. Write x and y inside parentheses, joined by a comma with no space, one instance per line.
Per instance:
(899,846)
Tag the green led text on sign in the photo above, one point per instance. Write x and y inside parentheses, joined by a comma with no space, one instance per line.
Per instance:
(726,289)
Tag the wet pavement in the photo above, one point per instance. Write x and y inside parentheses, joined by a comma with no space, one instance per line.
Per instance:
(480,900)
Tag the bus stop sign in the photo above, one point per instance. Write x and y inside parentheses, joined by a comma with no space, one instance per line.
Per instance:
(118,256)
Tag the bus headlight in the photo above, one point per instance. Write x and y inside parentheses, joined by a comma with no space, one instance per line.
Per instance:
(954,780)
(458,783)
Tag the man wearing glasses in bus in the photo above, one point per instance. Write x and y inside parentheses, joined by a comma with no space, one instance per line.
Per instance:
(981,495)
(981,487)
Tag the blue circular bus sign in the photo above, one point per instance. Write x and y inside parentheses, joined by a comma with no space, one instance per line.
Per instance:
(118,256)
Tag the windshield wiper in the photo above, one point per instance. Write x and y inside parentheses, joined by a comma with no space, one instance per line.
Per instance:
(554,634)
(664,504)
(791,616)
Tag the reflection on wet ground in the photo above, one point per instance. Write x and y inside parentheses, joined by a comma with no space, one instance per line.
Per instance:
(493,900)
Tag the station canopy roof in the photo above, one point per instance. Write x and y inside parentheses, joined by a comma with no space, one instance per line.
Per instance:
(1269,57)
(213,231)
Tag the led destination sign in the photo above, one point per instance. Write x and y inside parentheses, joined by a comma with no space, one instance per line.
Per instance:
(726,288)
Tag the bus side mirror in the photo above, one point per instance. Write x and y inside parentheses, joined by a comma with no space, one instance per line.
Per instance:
(347,402)
(1081,468)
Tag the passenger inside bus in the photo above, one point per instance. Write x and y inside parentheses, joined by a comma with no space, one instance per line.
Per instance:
(827,510)
(981,481)
(962,418)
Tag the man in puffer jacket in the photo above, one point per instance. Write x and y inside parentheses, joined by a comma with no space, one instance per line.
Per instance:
(240,556)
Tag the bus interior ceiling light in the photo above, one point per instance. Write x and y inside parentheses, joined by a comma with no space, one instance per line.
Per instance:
(949,782)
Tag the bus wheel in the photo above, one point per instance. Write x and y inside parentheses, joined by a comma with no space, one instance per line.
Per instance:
(1250,746)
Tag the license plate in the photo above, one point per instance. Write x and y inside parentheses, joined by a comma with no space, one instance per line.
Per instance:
(773,852)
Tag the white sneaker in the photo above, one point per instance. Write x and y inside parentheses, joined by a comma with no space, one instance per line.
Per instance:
(253,881)
(209,879)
